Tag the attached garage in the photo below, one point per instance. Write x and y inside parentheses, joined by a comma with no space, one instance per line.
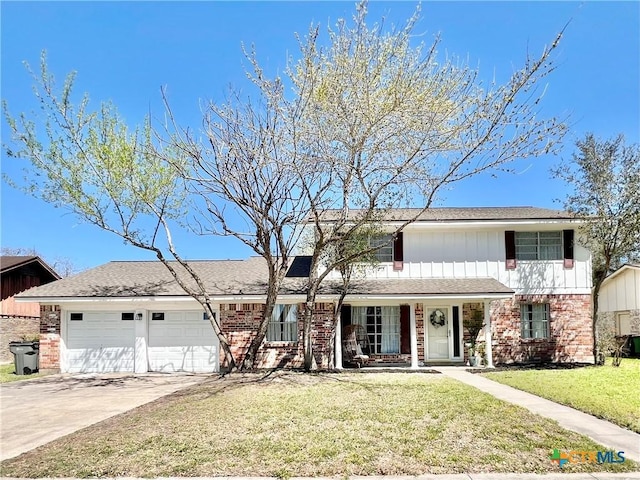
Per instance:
(140,341)
(181,342)
(100,342)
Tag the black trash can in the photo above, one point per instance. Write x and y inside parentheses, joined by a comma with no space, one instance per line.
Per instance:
(26,357)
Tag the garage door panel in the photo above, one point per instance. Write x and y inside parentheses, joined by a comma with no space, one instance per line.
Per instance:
(183,341)
(101,342)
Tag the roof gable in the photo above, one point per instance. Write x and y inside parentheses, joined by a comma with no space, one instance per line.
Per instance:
(11,263)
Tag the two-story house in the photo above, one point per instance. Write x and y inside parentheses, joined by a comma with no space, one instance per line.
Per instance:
(520,267)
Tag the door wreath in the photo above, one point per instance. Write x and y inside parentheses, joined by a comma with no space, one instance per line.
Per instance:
(437,318)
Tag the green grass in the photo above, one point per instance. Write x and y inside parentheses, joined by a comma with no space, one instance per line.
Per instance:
(608,392)
(8,374)
(292,424)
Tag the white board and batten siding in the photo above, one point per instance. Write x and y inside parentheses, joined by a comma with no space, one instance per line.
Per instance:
(106,341)
(621,291)
(480,254)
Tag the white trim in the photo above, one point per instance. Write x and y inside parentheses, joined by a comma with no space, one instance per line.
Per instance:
(619,271)
(414,335)
(292,299)
(487,334)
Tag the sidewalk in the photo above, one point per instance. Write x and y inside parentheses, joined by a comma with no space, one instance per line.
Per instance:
(603,432)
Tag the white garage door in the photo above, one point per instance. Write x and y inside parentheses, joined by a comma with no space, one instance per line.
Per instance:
(99,342)
(181,342)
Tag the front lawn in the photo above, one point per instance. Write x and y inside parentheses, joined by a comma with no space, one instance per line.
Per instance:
(292,424)
(607,392)
(8,374)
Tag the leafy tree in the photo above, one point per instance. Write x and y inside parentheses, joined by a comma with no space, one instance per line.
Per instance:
(107,174)
(390,124)
(604,176)
(367,124)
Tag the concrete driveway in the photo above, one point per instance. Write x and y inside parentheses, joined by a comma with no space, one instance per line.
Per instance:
(36,412)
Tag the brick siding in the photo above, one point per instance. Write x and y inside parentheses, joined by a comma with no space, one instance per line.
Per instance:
(570,330)
(50,337)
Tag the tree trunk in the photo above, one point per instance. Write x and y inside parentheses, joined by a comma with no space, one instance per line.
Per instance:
(599,277)
(307,329)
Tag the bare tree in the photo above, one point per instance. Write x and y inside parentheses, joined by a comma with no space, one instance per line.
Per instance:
(605,180)
(108,175)
(245,178)
(391,124)
(63,266)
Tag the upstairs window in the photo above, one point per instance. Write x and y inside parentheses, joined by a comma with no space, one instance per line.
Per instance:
(385,251)
(283,326)
(539,245)
(535,320)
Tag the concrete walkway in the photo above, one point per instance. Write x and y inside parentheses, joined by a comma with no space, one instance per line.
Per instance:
(35,412)
(601,431)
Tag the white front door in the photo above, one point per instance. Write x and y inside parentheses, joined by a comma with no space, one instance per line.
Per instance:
(437,331)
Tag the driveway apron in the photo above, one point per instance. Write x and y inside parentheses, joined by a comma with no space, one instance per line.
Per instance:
(36,412)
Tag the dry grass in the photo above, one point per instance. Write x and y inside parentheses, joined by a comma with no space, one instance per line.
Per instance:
(291,424)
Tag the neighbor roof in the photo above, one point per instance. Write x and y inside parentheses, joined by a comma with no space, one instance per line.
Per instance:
(12,262)
(229,278)
(456,214)
(626,266)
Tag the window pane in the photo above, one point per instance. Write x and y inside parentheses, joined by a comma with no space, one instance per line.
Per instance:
(535,320)
(385,252)
(283,326)
(538,245)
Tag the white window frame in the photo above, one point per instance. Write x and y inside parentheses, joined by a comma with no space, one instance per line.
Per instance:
(539,245)
(380,330)
(283,325)
(534,320)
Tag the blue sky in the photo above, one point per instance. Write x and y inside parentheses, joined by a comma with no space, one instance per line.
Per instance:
(125,51)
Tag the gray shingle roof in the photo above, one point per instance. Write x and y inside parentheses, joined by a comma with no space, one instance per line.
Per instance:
(236,277)
(455,214)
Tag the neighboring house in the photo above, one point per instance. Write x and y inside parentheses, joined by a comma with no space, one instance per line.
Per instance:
(520,266)
(619,303)
(20,320)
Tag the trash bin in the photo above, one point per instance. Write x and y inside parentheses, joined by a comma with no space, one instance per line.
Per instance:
(636,346)
(26,356)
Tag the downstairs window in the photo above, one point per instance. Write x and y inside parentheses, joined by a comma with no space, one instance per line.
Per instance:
(535,320)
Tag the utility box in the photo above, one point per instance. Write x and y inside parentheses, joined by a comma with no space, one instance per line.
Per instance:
(26,357)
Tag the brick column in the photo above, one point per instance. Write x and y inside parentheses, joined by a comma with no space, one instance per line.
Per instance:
(50,316)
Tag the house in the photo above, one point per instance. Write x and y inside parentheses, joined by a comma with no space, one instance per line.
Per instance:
(521,268)
(619,303)
(19,320)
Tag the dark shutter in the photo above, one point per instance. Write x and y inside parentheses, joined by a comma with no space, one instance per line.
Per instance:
(405,329)
(398,252)
(456,330)
(567,243)
(510,249)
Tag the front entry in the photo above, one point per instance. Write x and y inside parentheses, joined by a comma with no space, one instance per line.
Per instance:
(437,331)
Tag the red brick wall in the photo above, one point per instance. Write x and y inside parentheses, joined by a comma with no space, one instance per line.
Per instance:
(570,331)
(240,322)
(50,337)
